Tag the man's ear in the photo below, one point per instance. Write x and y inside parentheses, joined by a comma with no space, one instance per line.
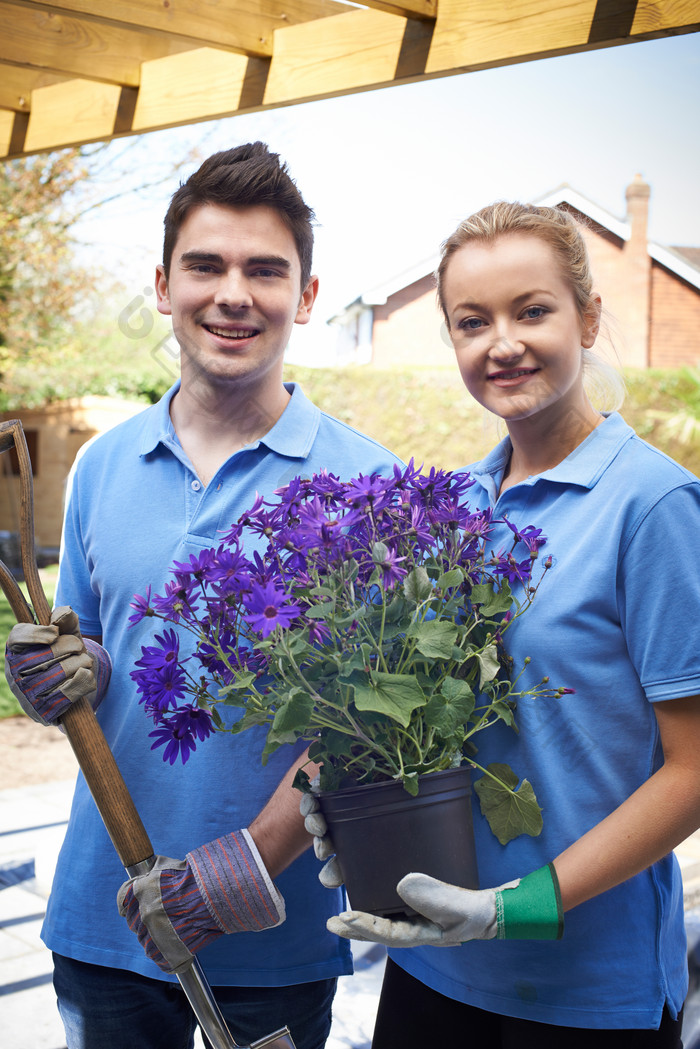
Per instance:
(162,295)
(591,322)
(308,297)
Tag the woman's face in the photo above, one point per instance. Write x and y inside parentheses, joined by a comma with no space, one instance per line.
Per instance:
(515,327)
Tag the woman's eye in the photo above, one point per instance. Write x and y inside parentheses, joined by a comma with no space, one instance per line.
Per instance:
(533,312)
(470,324)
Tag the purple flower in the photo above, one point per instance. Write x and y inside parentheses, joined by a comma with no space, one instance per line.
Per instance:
(269,607)
(175,603)
(180,731)
(514,571)
(142,606)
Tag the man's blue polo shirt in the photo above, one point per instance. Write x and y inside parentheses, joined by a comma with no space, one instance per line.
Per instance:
(617,619)
(135,505)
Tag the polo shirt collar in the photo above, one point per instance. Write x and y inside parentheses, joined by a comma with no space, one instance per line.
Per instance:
(292,435)
(584,466)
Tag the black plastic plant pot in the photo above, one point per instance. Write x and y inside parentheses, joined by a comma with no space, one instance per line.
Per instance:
(381,832)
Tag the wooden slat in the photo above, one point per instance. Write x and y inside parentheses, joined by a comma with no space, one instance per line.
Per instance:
(89,109)
(665,15)
(472,34)
(7,119)
(16,86)
(344,53)
(406,8)
(198,85)
(61,45)
(241,25)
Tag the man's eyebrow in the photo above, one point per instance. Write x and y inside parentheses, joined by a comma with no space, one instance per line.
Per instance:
(189,257)
(201,256)
(270,260)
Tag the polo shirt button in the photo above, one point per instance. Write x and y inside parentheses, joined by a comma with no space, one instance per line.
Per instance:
(196,485)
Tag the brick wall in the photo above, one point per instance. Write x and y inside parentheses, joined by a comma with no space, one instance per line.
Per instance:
(408,329)
(675,320)
(60,429)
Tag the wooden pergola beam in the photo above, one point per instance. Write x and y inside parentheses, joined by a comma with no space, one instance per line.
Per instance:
(72,73)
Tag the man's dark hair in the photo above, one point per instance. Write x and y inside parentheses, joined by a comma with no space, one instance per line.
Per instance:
(243,177)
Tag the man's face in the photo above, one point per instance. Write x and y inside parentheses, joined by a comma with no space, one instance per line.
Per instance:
(233,294)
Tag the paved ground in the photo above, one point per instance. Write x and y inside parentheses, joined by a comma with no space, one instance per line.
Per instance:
(32,823)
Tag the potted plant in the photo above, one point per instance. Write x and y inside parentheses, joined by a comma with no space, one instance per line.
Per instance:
(369,621)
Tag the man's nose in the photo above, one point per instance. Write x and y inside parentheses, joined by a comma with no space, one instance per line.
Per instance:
(233,291)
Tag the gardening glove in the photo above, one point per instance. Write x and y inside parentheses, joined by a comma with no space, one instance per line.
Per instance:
(330,874)
(526,909)
(49,667)
(180,906)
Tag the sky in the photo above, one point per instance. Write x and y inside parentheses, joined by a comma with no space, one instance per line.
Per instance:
(391,173)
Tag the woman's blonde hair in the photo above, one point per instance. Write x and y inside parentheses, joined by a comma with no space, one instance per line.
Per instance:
(562,233)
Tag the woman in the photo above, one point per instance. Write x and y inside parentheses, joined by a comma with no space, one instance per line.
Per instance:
(615,764)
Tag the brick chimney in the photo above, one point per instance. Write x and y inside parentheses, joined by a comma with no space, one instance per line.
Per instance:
(637,275)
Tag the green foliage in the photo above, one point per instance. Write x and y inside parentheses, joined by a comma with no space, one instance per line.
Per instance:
(427,414)
(9,707)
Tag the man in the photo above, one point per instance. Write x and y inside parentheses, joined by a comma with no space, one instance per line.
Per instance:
(235,277)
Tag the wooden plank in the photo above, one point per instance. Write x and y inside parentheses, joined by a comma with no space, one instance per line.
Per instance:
(665,15)
(7,119)
(241,25)
(36,39)
(16,86)
(198,85)
(336,55)
(473,34)
(406,8)
(77,111)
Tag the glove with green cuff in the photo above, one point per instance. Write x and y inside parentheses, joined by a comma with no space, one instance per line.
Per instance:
(447,916)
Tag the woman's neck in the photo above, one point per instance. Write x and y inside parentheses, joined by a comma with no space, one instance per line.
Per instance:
(540,445)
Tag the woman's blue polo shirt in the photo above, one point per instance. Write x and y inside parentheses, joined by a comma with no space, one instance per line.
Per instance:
(617,618)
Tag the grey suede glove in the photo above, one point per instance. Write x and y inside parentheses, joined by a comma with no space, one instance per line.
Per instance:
(49,667)
(330,874)
(447,915)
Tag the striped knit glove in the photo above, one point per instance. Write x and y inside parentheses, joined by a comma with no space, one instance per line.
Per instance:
(447,916)
(182,905)
(49,667)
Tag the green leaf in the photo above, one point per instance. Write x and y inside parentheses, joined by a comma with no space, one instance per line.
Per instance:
(243,679)
(293,715)
(509,812)
(395,695)
(434,637)
(380,552)
(417,586)
(454,577)
(450,708)
(320,611)
(459,694)
(488,664)
(493,602)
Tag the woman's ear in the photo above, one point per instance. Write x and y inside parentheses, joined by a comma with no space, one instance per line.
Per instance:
(591,322)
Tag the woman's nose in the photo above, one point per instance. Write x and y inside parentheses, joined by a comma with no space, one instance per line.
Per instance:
(505,345)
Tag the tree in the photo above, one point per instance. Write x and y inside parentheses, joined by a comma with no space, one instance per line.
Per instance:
(39,283)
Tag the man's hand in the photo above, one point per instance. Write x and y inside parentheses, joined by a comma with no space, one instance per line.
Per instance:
(526,909)
(182,905)
(49,667)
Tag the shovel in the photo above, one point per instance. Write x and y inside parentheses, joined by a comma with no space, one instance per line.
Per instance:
(97,763)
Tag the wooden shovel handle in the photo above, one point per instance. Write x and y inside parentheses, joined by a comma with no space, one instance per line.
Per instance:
(84,734)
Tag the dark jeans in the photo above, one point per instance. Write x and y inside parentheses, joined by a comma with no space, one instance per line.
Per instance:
(412,1016)
(105,1008)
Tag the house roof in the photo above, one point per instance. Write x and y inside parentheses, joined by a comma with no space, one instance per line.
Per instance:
(75,71)
(683,261)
